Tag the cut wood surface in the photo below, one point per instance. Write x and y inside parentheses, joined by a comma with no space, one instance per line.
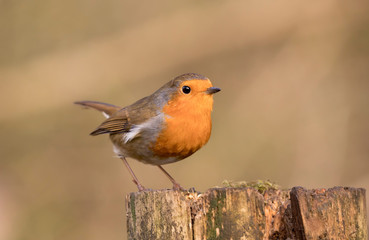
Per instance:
(245,213)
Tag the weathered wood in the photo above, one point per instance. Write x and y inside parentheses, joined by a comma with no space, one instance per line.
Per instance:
(245,213)
(163,214)
(278,215)
(336,213)
(230,213)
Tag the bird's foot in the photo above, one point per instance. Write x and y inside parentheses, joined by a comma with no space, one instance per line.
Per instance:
(139,186)
(178,187)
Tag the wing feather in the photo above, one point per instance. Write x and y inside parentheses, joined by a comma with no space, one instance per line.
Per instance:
(116,124)
(125,120)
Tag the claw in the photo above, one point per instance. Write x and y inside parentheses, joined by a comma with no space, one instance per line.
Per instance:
(178,187)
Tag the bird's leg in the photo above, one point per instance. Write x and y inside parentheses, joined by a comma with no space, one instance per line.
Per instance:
(176,185)
(135,180)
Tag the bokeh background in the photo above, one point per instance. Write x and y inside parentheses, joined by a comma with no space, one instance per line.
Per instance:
(294,105)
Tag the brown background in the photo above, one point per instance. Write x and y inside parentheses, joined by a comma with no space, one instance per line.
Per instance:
(294,106)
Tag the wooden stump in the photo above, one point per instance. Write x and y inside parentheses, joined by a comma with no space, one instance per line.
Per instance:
(163,214)
(336,213)
(244,213)
(278,215)
(227,213)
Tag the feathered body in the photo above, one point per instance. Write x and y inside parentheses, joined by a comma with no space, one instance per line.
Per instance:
(162,128)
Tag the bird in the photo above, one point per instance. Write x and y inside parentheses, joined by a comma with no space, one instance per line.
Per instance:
(165,127)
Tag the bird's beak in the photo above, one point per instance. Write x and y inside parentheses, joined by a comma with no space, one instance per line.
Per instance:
(212,90)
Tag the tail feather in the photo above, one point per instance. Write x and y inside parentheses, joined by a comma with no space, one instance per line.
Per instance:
(106,108)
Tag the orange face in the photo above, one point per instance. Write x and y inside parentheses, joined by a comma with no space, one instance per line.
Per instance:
(188,120)
(192,97)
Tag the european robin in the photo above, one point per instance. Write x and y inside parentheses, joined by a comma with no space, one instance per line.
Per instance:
(165,127)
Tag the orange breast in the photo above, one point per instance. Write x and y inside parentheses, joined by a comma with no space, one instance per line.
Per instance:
(187,128)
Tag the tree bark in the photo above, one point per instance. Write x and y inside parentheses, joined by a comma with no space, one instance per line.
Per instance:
(162,214)
(244,213)
(336,213)
(227,213)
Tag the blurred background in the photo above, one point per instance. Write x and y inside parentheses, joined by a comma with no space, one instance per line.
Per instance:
(294,105)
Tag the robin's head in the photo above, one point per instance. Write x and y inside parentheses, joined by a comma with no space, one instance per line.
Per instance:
(187,102)
(188,92)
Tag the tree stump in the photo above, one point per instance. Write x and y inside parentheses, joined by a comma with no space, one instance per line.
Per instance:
(245,213)
(227,213)
(162,214)
(336,213)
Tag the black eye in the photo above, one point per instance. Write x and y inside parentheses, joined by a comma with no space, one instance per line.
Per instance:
(186,89)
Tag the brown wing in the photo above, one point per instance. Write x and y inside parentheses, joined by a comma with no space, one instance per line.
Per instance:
(123,120)
(117,121)
(115,124)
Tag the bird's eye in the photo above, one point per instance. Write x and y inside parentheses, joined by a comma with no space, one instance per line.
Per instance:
(186,89)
